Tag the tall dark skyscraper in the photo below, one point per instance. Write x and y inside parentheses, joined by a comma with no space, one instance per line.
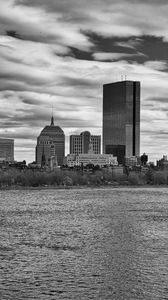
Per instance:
(121,119)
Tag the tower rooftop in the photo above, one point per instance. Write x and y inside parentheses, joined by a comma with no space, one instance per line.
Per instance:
(52,130)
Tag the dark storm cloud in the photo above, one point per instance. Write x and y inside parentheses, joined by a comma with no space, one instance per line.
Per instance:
(28,37)
(154,47)
(33,24)
(31,102)
(87,14)
(109,46)
(140,49)
(79,54)
(14,34)
(96,39)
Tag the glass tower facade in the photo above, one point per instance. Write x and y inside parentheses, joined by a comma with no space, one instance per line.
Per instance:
(121,119)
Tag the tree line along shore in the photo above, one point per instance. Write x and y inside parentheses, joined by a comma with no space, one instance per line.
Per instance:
(69,178)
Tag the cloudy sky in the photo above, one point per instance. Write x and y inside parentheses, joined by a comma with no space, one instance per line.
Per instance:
(60,53)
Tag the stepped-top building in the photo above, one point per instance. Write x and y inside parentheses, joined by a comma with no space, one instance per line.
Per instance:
(79,144)
(50,145)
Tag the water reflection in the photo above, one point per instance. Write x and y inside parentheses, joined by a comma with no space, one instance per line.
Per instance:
(84,244)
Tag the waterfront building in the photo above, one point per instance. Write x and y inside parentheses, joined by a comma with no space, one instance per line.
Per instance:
(132,161)
(70,160)
(79,144)
(6,150)
(50,145)
(163,163)
(144,159)
(121,119)
(90,157)
(116,171)
(101,160)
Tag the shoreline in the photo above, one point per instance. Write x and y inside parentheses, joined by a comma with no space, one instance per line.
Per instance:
(80,187)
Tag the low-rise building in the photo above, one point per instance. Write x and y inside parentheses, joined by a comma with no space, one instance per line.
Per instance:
(116,170)
(100,160)
(163,163)
(70,160)
(132,161)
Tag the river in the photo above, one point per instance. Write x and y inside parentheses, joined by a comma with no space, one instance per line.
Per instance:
(84,244)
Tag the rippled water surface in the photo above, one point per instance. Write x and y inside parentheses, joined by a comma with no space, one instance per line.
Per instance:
(84,244)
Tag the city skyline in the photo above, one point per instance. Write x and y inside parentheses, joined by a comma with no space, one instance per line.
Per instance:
(61,53)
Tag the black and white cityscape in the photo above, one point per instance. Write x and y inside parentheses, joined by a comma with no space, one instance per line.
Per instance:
(83,149)
(120,141)
(59,55)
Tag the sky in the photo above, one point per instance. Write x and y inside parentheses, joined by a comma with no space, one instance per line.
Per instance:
(60,53)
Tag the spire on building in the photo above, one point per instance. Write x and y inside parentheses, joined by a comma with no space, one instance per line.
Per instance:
(52,121)
(52,118)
